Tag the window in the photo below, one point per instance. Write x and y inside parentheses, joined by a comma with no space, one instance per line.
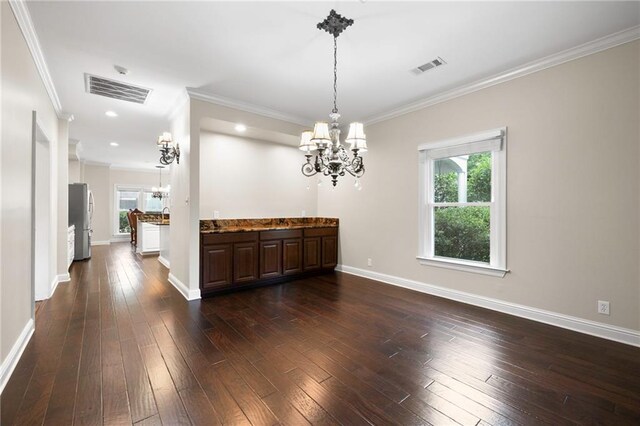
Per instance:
(463,203)
(130,198)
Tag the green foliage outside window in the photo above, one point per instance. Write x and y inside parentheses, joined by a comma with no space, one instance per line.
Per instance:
(445,187)
(479,177)
(464,232)
(123,222)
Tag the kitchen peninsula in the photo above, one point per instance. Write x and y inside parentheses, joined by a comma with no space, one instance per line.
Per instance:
(152,234)
(241,253)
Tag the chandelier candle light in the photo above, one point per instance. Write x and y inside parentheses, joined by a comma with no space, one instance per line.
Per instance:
(160,192)
(168,150)
(332,159)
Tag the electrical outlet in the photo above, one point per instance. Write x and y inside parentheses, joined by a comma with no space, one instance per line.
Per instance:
(369,262)
(216,214)
(304,213)
(603,307)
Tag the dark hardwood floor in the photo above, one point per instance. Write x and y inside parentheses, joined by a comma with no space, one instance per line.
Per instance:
(119,345)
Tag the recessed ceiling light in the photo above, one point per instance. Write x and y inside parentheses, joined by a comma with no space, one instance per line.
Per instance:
(241,128)
(111,114)
(114,144)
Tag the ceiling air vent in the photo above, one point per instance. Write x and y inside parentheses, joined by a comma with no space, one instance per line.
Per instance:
(115,89)
(429,65)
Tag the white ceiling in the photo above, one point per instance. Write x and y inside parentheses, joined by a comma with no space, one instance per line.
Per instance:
(270,54)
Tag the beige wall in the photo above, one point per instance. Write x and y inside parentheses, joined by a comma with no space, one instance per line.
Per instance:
(181,229)
(102,180)
(246,178)
(74,172)
(22,93)
(572,186)
(185,181)
(97,178)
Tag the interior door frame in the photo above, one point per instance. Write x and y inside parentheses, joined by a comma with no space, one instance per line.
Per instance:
(39,135)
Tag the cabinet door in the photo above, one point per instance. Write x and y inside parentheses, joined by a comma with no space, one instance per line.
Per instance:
(245,262)
(270,259)
(217,266)
(312,253)
(151,239)
(292,256)
(329,252)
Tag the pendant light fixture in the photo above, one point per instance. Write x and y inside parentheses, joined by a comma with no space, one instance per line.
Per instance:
(160,192)
(332,159)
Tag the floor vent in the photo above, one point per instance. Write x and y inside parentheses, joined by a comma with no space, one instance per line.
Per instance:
(115,89)
(429,65)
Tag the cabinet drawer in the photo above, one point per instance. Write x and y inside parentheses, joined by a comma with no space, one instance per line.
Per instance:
(280,234)
(320,232)
(231,237)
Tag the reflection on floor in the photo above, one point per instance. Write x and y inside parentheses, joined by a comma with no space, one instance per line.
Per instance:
(119,345)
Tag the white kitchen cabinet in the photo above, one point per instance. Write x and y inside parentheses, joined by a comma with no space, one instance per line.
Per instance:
(148,238)
(71,244)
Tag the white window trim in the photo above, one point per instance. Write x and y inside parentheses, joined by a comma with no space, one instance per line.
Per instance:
(498,240)
(140,189)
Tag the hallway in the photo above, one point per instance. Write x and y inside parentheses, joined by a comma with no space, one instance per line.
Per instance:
(119,345)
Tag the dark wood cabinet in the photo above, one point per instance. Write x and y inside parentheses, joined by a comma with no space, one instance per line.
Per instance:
(243,259)
(329,252)
(320,248)
(312,254)
(292,256)
(217,266)
(245,262)
(270,259)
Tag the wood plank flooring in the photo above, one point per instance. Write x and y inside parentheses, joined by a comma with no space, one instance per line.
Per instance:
(119,345)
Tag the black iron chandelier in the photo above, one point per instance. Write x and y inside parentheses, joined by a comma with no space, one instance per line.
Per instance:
(160,192)
(169,150)
(332,159)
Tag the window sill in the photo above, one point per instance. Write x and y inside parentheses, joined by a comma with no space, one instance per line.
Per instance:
(463,266)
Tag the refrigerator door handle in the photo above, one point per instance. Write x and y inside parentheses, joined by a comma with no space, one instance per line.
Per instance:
(91,206)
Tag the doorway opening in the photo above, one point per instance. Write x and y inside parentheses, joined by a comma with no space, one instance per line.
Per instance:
(43,226)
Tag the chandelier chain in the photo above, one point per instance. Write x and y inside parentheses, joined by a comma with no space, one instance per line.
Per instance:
(335,75)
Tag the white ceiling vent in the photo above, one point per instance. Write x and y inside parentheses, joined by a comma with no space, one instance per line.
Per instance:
(115,89)
(429,65)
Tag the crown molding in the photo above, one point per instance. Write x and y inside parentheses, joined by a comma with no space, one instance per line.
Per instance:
(21,13)
(66,117)
(124,167)
(95,163)
(244,106)
(571,54)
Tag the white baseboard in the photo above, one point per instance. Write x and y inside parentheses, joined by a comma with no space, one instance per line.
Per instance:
(10,362)
(54,285)
(164,261)
(606,331)
(183,289)
(100,243)
(120,239)
(63,278)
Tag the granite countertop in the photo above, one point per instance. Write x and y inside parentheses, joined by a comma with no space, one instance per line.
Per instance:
(219,226)
(153,218)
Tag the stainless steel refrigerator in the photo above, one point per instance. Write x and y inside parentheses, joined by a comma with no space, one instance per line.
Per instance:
(81,209)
